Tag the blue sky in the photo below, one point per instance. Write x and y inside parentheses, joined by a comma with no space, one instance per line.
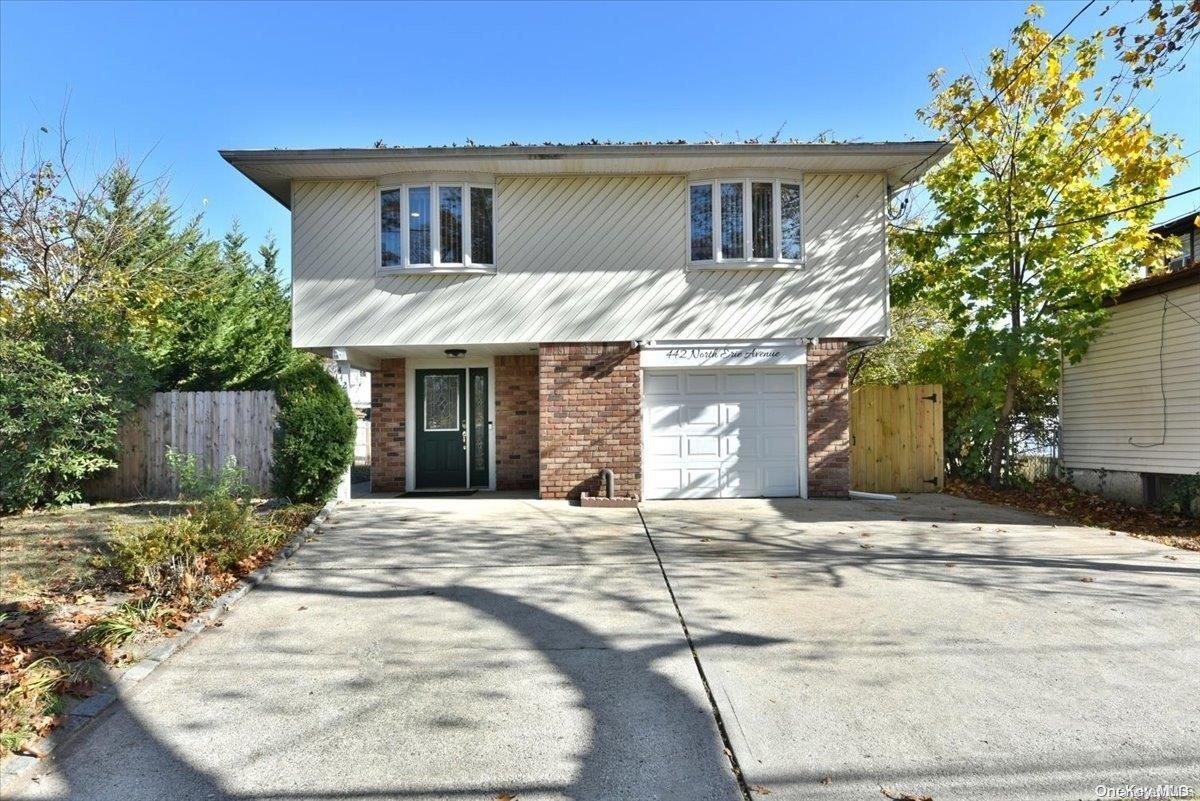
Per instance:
(178,81)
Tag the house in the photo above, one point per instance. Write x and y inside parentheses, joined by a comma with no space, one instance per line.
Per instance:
(1130,409)
(678,314)
(1185,235)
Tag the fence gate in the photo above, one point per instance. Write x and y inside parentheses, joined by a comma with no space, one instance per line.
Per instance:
(896,438)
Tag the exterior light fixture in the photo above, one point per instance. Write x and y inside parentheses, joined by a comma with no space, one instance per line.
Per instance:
(455,353)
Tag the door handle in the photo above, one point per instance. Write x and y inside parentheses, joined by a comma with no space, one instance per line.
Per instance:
(464,438)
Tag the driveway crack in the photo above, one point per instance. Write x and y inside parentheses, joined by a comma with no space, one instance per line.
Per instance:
(712,701)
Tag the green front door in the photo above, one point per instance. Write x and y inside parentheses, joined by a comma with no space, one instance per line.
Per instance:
(441,428)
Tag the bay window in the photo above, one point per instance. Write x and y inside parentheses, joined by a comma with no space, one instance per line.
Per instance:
(759,222)
(436,226)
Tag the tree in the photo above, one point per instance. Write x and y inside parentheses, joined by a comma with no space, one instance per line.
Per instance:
(103,289)
(1159,40)
(917,328)
(230,328)
(1041,212)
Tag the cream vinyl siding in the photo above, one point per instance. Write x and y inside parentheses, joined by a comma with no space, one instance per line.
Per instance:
(587,258)
(1114,393)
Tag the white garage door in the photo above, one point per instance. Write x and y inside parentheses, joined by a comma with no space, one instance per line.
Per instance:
(721,433)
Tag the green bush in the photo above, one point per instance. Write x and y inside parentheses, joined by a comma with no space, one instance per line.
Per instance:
(58,427)
(314,445)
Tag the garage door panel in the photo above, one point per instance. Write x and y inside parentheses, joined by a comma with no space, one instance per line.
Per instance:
(779,383)
(663,418)
(666,445)
(723,433)
(741,483)
(701,383)
(702,482)
(661,384)
(780,446)
(741,382)
(782,415)
(743,414)
(663,482)
(780,480)
(744,446)
(701,414)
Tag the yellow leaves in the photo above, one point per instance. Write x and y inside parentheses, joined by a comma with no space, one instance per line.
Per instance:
(1053,69)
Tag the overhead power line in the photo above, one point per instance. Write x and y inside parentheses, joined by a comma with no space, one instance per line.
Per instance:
(1002,89)
(1047,226)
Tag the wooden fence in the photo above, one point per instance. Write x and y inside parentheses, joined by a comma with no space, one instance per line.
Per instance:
(896,438)
(212,425)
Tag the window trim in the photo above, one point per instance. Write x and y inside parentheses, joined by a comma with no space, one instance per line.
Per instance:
(750,262)
(435,264)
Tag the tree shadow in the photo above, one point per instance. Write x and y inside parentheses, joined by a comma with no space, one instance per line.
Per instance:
(648,735)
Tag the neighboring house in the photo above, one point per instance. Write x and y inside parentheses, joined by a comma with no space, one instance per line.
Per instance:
(679,314)
(357,384)
(1186,235)
(1131,408)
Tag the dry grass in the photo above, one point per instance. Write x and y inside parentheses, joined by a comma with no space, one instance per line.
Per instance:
(45,554)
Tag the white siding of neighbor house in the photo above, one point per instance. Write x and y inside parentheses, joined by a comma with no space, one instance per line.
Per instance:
(1115,393)
(584,258)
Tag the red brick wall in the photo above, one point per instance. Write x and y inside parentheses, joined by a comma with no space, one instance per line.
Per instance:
(516,422)
(828,393)
(387,426)
(591,418)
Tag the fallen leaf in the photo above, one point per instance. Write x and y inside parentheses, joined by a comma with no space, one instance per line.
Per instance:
(301,608)
(827,780)
(1087,579)
(868,546)
(895,796)
(951,564)
(505,797)
(758,788)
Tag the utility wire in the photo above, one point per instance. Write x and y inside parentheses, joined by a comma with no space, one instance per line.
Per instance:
(1001,91)
(1036,228)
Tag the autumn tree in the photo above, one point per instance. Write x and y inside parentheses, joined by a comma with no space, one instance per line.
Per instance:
(105,295)
(1158,40)
(1039,213)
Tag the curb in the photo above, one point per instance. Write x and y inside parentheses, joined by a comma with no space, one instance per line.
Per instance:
(18,767)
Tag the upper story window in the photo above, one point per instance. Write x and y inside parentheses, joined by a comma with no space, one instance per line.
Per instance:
(744,222)
(436,226)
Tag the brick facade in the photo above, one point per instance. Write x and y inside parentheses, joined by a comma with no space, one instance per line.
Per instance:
(590,404)
(828,391)
(516,384)
(387,426)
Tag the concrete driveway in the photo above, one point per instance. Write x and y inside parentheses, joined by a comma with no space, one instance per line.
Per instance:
(471,648)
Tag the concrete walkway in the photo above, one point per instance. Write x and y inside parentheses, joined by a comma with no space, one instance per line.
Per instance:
(471,647)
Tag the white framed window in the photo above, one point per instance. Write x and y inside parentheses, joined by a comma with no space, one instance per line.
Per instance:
(437,226)
(745,222)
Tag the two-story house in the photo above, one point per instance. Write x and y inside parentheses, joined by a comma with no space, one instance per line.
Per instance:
(679,314)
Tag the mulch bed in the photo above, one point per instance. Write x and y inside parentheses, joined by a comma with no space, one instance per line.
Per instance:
(1058,499)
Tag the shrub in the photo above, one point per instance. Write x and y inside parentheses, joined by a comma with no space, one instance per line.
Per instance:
(186,557)
(1183,498)
(58,427)
(314,445)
